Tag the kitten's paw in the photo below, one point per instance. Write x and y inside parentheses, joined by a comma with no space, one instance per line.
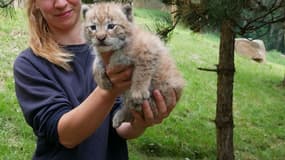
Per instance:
(106,84)
(102,80)
(139,96)
(118,119)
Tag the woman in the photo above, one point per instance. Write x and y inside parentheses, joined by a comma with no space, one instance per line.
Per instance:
(69,114)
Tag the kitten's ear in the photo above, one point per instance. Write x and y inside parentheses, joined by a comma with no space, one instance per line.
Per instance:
(84,9)
(128,10)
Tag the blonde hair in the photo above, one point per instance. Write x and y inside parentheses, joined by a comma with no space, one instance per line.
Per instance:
(41,40)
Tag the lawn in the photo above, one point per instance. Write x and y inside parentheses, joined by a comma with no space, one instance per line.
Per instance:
(189,133)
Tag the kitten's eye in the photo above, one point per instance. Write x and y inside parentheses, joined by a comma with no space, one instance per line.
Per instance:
(92,28)
(110,26)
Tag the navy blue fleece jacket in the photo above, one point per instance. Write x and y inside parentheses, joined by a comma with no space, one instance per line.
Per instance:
(45,92)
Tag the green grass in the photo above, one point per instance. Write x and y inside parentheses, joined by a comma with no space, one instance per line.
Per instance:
(189,133)
(16,138)
(276,57)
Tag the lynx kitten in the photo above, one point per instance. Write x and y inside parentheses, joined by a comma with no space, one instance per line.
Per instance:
(110,27)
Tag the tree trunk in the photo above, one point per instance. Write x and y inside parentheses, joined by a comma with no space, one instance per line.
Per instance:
(224,115)
(283,82)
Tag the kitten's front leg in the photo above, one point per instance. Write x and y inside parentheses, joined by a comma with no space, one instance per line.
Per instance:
(141,80)
(100,75)
(123,114)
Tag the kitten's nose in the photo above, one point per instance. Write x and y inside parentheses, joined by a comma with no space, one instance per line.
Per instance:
(101,37)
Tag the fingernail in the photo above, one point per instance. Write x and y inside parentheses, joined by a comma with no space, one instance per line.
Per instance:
(145,102)
(156,91)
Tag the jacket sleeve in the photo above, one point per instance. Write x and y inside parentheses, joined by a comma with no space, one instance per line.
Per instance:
(42,101)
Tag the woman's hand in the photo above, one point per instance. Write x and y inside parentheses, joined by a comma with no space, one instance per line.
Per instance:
(149,119)
(120,76)
(141,122)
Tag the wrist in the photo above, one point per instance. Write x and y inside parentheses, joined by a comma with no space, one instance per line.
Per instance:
(106,93)
(130,131)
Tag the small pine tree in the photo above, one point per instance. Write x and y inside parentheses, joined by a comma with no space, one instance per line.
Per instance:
(233,18)
(6,3)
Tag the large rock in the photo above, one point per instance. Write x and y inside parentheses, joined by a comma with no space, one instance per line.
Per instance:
(254,49)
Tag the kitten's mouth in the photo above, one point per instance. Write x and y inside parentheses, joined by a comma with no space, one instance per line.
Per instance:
(103,44)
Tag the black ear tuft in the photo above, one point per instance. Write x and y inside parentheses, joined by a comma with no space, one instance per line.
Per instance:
(84,9)
(127,9)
